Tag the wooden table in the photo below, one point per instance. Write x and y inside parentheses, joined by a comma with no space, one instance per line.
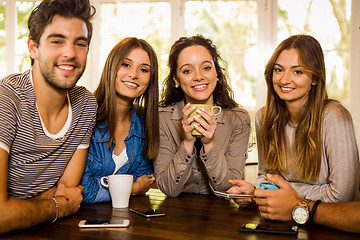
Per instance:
(188,216)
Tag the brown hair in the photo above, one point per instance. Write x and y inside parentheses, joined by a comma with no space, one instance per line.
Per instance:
(146,105)
(223,95)
(43,14)
(308,136)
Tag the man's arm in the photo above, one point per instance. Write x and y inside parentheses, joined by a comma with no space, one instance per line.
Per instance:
(16,214)
(343,216)
(68,184)
(74,169)
(278,204)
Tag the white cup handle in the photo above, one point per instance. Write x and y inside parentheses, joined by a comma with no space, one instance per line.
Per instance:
(104,181)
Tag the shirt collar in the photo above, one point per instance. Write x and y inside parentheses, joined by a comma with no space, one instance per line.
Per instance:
(136,129)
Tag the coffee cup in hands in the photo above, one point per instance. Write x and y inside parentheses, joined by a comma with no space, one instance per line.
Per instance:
(214,109)
(120,187)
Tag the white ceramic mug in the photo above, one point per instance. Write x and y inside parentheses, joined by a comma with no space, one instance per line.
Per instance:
(120,187)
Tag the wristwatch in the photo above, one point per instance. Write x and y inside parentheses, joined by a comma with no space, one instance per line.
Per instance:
(300,213)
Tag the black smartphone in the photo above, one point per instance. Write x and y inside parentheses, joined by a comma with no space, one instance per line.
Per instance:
(269,228)
(148,213)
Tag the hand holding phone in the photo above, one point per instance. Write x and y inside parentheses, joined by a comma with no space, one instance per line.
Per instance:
(104,223)
(149,213)
(228,195)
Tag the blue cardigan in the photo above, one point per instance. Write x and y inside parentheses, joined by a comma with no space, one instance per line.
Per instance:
(99,161)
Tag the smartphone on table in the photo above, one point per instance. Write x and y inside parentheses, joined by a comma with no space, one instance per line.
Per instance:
(228,195)
(148,213)
(269,228)
(104,223)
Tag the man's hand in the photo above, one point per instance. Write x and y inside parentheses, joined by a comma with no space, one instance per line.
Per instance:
(73,194)
(277,204)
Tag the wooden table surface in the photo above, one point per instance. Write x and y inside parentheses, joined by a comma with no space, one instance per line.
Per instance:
(188,216)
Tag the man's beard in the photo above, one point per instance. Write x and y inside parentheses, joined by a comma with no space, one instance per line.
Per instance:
(51,79)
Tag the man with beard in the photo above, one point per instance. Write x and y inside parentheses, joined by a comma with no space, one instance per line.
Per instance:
(46,121)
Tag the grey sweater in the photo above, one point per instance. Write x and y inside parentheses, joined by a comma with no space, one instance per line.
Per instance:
(339,171)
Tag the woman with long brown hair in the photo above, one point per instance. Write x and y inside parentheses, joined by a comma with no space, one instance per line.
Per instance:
(126,135)
(202,163)
(302,134)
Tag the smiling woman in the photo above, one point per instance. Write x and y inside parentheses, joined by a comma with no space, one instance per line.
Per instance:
(205,163)
(303,135)
(291,81)
(126,135)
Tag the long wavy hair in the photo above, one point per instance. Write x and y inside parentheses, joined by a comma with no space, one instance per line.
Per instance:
(147,105)
(308,135)
(223,94)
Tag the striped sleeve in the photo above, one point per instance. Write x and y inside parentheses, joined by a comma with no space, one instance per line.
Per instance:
(9,116)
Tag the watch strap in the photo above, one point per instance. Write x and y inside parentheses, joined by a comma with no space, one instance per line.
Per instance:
(305,203)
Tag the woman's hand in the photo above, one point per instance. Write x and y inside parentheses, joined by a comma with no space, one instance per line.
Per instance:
(142,184)
(207,127)
(189,139)
(242,187)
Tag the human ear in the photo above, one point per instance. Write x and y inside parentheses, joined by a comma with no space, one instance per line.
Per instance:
(33,48)
(177,84)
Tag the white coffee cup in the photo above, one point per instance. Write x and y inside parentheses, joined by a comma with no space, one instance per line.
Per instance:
(120,187)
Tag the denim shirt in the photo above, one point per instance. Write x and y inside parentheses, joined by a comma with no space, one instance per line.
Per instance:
(100,163)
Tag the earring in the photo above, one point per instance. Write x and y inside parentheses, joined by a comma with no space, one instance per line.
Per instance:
(177,85)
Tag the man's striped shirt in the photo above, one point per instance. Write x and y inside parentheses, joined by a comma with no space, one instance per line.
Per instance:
(37,159)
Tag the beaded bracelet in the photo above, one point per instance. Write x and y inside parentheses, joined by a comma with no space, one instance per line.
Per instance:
(68,203)
(57,210)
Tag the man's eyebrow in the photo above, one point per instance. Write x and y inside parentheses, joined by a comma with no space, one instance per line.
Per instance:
(82,39)
(57,35)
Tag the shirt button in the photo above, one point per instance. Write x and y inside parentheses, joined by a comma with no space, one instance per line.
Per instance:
(205,160)
(178,177)
(197,183)
(213,177)
(177,180)
(187,160)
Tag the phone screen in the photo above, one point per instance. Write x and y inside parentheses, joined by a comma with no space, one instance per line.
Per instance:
(269,228)
(148,213)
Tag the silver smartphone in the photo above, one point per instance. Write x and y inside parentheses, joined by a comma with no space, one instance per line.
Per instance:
(104,223)
(228,195)
(148,213)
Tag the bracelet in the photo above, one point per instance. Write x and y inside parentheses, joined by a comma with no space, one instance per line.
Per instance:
(57,210)
(68,204)
(313,211)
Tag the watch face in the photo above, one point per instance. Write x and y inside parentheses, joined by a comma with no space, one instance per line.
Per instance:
(300,215)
